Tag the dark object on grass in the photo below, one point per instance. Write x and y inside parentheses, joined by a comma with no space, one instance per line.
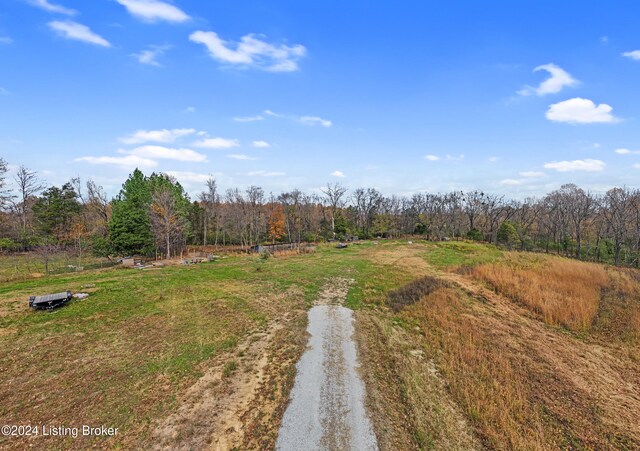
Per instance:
(342,246)
(413,292)
(49,301)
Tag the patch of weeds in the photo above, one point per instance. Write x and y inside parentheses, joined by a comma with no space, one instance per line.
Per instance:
(229,368)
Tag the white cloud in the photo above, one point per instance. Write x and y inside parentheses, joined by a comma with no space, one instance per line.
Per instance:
(240,156)
(637,165)
(532,174)
(190,177)
(454,158)
(493,159)
(217,143)
(248,119)
(580,111)
(5,40)
(555,83)
(511,182)
(339,174)
(190,109)
(160,136)
(151,55)
(271,113)
(431,157)
(626,151)
(588,165)
(154,11)
(265,174)
(69,29)
(129,161)
(166,153)
(44,4)
(634,55)
(315,120)
(260,144)
(250,52)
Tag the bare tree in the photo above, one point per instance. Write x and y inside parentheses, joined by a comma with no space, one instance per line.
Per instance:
(334,193)
(209,200)
(167,223)
(98,207)
(28,185)
(618,214)
(5,193)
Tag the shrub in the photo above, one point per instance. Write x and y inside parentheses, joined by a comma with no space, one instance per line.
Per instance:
(474,234)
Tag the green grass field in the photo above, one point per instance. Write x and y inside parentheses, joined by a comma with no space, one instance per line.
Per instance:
(121,356)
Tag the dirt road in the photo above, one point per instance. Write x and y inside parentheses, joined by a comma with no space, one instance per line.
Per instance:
(327,409)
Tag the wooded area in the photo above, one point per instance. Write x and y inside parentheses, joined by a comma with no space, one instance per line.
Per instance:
(154,216)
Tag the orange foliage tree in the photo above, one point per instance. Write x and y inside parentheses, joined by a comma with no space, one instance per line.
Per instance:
(277,223)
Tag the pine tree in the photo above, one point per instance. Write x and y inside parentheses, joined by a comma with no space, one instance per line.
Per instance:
(130,225)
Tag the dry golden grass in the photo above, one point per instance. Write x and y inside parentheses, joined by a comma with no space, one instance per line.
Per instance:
(564,292)
(502,375)
(486,383)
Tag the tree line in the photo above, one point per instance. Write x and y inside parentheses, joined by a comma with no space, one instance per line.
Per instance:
(154,216)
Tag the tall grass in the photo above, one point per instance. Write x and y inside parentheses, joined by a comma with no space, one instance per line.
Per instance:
(563,292)
(488,381)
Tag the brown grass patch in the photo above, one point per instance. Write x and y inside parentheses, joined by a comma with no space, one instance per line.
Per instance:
(561,291)
(509,385)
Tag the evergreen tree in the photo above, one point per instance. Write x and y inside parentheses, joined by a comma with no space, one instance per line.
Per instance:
(56,210)
(130,226)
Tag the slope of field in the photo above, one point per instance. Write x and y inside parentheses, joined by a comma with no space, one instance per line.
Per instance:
(479,326)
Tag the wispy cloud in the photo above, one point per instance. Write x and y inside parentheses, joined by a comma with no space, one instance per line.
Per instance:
(511,182)
(217,143)
(588,165)
(154,11)
(165,153)
(306,120)
(580,111)
(315,120)
(634,55)
(52,8)
(455,158)
(75,31)
(251,51)
(431,157)
(558,80)
(129,161)
(241,156)
(150,56)
(160,136)
(626,151)
(5,40)
(187,177)
(338,174)
(265,174)
(260,144)
(248,119)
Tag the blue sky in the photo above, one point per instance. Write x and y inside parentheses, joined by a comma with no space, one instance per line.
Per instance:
(510,97)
